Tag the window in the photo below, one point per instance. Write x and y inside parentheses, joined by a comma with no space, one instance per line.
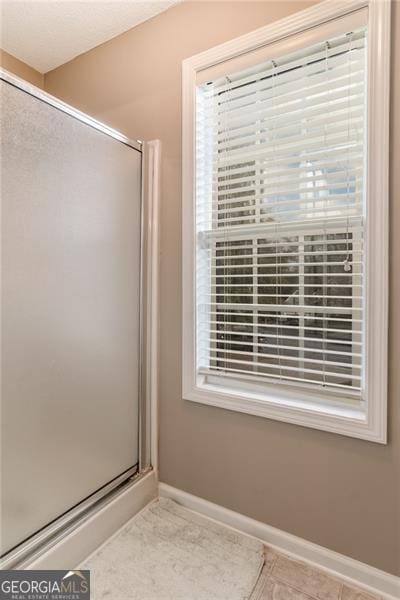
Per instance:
(285,234)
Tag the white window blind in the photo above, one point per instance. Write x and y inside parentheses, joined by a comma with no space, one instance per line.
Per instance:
(280,220)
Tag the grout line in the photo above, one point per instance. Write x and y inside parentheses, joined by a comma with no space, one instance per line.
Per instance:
(341,591)
(273,563)
(293,587)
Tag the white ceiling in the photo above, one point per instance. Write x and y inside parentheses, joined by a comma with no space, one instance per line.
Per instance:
(47,33)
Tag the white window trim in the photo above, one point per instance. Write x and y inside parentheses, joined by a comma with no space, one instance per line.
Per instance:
(370,424)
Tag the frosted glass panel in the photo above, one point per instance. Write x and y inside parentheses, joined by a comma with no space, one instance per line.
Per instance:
(70,311)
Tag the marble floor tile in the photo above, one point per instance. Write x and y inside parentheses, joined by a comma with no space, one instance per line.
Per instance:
(284,578)
(306,579)
(349,593)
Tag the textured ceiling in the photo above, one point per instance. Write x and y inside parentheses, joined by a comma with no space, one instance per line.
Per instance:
(47,33)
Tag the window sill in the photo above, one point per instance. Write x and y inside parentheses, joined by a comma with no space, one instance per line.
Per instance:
(343,420)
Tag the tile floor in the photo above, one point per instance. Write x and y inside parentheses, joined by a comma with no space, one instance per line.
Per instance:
(283,578)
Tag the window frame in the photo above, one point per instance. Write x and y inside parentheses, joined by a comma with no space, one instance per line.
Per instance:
(294,406)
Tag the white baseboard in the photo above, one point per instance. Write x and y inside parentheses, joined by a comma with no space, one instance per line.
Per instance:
(354,572)
(74,547)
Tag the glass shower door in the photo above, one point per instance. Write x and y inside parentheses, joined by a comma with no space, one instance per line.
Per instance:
(71,238)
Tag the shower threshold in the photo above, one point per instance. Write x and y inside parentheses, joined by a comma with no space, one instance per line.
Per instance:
(106,501)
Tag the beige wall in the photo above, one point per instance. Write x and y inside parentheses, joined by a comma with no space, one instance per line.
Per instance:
(19,68)
(340,492)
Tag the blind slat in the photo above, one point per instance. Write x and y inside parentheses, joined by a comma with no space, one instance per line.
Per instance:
(330,159)
(293,104)
(267,336)
(243,375)
(261,310)
(220,352)
(314,91)
(284,367)
(295,328)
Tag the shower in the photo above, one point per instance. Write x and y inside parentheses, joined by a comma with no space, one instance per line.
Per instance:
(76,269)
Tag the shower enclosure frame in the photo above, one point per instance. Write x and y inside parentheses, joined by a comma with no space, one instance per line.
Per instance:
(50,534)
